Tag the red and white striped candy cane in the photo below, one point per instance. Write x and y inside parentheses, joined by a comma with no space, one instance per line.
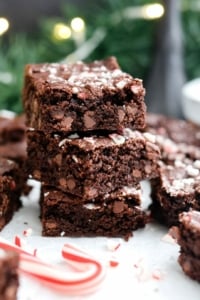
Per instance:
(87,275)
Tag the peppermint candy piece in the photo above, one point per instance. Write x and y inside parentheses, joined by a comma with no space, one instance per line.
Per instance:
(88,272)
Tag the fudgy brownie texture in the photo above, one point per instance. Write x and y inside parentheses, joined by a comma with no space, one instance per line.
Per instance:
(188,238)
(94,165)
(82,97)
(179,131)
(177,189)
(9,280)
(115,214)
(11,185)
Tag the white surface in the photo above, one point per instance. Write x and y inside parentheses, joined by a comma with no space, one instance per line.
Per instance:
(191,100)
(122,282)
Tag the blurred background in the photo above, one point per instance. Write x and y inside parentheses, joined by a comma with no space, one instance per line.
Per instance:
(157,41)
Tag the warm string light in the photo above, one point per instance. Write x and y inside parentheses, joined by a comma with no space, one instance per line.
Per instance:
(152,11)
(77,24)
(147,11)
(61,31)
(76,30)
(4,25)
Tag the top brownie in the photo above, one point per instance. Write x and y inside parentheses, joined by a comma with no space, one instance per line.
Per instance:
(82,97)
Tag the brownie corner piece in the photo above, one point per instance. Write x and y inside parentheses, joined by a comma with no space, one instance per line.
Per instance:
(12,181)
(189,240)
(82,97)
(9,278)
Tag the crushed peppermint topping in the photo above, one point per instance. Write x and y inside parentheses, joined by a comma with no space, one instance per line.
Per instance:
(81,75)
(193,217)
(196,164)
(121,84)
(129,190)
(75,158)
(75,90)
(73,136)
(91,206)
(62,142)
(89,140)
(178,163)
(128,133)
(117,138)
(149,137)
(192,171)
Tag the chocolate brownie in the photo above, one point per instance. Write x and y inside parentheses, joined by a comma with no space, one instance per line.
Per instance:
(13,129)
(93,165)
(177,189)
(82,96)
(11,186)
(177,130)
(13,138)
(188,238)
(114,214)
(9,279)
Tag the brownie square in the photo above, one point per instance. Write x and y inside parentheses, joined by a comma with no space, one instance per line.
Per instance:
(82,97)
(12,180)
(188,238)
(13,138)
(94,165)
(177,189)
(9,280)
(116,214)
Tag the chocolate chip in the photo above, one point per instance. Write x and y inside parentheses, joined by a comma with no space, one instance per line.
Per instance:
(37,174)
(131,110)
(62,182)
(136,173)
(121,115)
(58,159)
(66,123)
(89,121)
(57,114)
(118,207)
(71,184)
(90,192)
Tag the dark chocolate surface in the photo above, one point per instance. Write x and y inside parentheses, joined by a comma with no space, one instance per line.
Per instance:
(82,97)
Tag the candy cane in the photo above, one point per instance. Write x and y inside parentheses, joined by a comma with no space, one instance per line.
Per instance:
(87,275)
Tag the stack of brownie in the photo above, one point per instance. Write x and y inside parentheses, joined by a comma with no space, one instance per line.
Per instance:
(86,146)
